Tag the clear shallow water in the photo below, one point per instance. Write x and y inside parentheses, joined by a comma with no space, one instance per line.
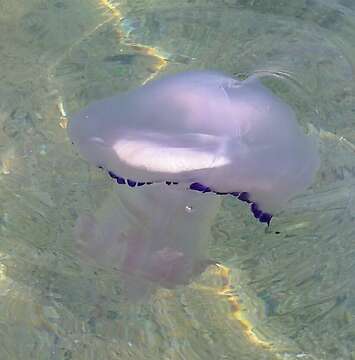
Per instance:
(293,281)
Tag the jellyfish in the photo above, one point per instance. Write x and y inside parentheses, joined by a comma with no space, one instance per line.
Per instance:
(175,147)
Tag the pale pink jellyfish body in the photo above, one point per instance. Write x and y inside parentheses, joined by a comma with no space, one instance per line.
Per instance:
(176,146)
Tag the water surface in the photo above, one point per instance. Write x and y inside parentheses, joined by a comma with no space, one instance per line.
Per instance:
(284,292)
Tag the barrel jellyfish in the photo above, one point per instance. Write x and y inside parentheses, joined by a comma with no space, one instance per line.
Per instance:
(175,147)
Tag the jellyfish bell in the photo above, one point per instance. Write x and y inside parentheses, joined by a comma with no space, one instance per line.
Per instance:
(200,127)
(178,143)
